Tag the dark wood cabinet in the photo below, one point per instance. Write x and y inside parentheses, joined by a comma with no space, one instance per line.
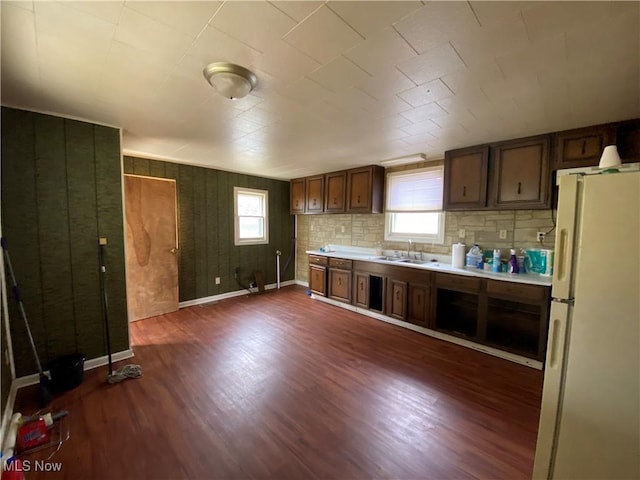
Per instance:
(365,189)
(318,274)
(315,194)
(397,299)
(419,303)
(361,289)
(340,279)
(521,175)
(465,178)
(297,196)
(457,305)
(628,140)
(581,147)
(335,184)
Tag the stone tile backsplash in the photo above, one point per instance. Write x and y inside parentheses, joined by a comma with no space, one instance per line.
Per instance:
(482,227)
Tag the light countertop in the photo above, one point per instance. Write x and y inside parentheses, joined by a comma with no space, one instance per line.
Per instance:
(353,253)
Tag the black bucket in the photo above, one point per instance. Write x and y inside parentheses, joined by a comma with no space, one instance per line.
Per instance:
(67,371)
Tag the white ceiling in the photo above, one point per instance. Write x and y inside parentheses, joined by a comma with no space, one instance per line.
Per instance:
(341,84)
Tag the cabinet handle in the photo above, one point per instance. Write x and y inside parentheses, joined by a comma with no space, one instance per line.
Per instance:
(519,188)
(361,286)
(584,147)
(297,202)
(464,190)
(339,281)
(358,200)
(397,294)
(335,201)
(314,202)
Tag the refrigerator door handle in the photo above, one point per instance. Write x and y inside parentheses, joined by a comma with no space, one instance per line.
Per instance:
(566,227)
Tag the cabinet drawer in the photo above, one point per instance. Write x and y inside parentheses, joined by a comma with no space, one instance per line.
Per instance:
(458,282)
(510,289)
(318,260)
(340,263)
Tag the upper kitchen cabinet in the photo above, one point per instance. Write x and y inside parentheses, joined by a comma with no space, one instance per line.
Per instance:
(315,194)
(581,147)
(297,196)
(465,178)
(335,184)
(628,140)
(520,176)
(365,188)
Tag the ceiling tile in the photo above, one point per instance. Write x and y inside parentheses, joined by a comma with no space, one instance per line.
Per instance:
(376,15)
(388,106)
(61,20)
(146,34)
(498,12)
(109,11)
(215,46)
(432,64)
(189,18)
(297,10)
(486,43)
(381,52)
(254,23)
(426,112)
(437,23)
(546,54)
(338,75)
(310,36)
(427,126)
(19,46)
(386,84)
(550,18)
(23,4)
(426,93)
(306,91)
(473,76)
(283,61)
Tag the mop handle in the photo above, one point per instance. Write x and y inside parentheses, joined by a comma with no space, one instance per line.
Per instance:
(16,294)
(105,305)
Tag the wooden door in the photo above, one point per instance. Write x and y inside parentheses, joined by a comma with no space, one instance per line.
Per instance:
(318,279)
(335,186)
(397,301)
(359,184)
(419,302)
(361,292)
(315,194)
(340,285)
(297,196)
(465,178)
(151,246)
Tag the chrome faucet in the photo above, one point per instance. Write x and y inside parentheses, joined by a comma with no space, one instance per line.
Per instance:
(409,249)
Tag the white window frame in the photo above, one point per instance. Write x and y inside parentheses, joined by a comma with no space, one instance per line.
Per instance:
(390,235)
(264,194)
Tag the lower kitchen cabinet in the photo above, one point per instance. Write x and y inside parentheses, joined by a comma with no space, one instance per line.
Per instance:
(340,279)
(318,274)
(361,290)
(397,299)
(419,303)
(457,313)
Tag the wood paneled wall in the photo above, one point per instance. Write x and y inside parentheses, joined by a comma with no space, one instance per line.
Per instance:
(61,192)
(205,227)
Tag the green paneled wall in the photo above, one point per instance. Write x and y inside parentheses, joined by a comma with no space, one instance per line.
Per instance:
(61,191)
(205,227)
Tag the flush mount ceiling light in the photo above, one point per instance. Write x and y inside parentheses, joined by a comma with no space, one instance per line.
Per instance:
(418,157)
(230,80)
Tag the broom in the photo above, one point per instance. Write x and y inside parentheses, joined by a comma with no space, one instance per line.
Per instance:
(128,371)
(44,393)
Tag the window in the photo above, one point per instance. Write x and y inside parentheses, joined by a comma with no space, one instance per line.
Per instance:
(414,205)
(251,216)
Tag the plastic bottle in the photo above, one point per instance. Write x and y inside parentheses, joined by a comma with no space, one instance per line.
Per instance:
(496,260)
(513,262)
(474,257)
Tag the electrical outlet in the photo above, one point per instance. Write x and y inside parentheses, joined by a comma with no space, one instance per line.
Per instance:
(541,236)
(503,234)
(217,280)
(462,233)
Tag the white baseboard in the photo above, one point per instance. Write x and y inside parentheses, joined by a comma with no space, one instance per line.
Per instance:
(432,333)
(35,378)
(235,293)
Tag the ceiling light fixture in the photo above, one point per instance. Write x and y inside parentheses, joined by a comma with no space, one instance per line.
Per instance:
(415,158)
(230,80)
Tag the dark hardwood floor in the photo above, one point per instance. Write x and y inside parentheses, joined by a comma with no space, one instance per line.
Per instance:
(283,386)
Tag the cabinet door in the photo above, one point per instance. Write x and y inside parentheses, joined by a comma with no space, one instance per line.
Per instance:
(361,290)
(628,140)
(297,194)
(419,302)
(521,174)
(365,189)
(465,178)
(335,195)
(397,299)
(318,280)
(581,147)
(315,194)
(340,285)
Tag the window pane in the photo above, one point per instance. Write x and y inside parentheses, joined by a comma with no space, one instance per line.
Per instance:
(415,190)
(251,227)
(249,204)
(418,223)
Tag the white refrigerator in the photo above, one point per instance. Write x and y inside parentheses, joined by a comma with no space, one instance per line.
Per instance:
(590,414)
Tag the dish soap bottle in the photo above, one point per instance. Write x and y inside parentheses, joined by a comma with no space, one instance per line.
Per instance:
(513,262)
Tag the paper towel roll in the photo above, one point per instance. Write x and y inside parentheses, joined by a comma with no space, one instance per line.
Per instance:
(458,255)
